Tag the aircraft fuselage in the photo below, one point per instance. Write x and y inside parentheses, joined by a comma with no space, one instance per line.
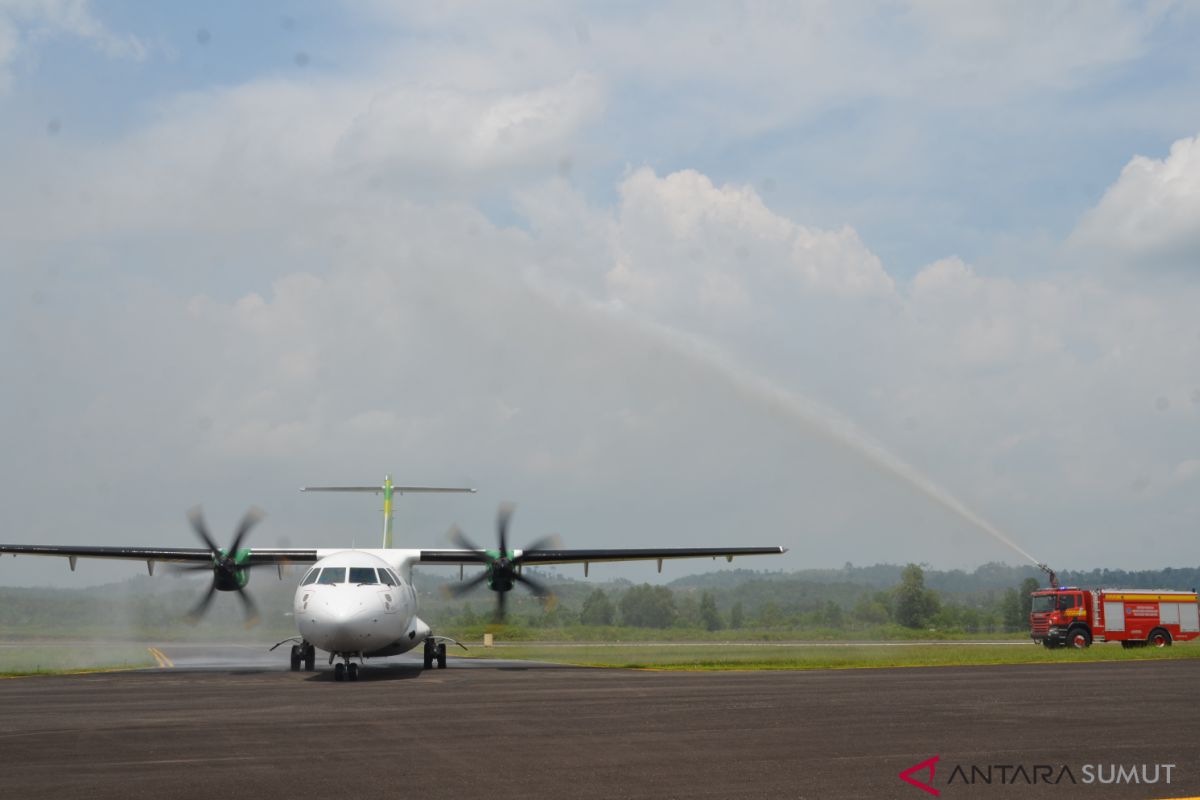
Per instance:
(356,603)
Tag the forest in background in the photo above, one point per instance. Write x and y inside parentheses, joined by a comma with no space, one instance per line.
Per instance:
(879,601)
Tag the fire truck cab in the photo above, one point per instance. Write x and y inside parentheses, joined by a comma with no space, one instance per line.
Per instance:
(1069,616)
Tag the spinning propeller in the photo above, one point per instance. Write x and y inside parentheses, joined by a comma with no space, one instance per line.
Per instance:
(230,567)
(502,567)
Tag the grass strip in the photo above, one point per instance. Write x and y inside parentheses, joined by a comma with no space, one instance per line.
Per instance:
(18,660)
(703,657)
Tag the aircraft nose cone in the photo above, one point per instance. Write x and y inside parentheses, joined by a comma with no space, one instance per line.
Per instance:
(343,621)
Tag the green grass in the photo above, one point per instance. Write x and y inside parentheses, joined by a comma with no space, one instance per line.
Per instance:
(614,633)
(779,656)
(47,659)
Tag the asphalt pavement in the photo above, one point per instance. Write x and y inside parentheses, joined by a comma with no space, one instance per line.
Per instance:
(234,722)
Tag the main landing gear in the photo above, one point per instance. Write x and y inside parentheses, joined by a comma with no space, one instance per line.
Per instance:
(304,655)
(435,651)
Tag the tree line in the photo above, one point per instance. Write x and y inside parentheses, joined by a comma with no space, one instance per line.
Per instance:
(909,604)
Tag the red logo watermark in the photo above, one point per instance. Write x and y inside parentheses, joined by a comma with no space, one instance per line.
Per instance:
(931,765)
(1033,774)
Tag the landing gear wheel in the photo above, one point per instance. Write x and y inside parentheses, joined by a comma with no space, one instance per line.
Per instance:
(1159,638)
(310,658)
(1080,638)
(295,658)
(441,655)
(339,672)
(352,672)
(429,654)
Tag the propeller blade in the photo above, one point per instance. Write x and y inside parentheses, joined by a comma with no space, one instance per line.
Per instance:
(249,606)
(500,603)
(196,517)
(551,542)
(198,610)
(502,518)
(456,535)
(248,521)
(535,586)
(459,589)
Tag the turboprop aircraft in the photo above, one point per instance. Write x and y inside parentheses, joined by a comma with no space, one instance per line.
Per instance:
(358,604)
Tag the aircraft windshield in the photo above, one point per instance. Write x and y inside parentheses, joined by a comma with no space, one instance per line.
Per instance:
(332,575)
(1043,602)
(363,575)
(386,577)
(311,577)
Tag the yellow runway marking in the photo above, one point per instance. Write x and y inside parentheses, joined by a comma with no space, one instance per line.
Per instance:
(161,658)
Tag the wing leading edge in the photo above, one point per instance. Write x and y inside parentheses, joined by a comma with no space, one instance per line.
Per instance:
(163,554)
(255,556)
(574,556)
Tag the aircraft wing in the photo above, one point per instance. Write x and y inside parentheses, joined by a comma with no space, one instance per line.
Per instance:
(254,556)
(577,556)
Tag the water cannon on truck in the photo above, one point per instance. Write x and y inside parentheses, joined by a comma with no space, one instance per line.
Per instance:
(1068,616)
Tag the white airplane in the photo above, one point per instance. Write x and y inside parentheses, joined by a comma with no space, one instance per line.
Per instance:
(358,604)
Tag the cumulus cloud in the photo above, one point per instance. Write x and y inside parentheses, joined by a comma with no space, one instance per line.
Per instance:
(1149,218)
(677,247)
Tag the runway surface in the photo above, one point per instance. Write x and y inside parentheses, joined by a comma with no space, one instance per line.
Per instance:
(236,723)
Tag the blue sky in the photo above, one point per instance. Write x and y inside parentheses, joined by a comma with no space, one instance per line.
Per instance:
(579,252)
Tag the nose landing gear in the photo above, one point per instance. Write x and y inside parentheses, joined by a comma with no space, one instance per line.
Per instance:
(345,670)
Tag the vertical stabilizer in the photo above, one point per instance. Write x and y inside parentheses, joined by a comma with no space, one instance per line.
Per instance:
(389,490)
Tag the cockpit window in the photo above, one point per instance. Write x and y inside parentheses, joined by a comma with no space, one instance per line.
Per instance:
(386,577)
(362,575)
(332,575)
(311,577)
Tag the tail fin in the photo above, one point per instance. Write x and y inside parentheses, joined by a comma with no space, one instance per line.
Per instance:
(388,489)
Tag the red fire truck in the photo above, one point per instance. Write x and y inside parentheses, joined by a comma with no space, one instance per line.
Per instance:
(1069,616)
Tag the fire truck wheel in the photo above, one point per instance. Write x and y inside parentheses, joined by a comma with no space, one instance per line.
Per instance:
(1080,638)
(1049,645)
(1159,638)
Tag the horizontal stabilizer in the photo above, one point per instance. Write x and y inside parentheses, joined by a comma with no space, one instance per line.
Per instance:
(379,489)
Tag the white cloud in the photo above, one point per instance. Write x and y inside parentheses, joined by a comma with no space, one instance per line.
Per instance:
(1150,217)
(983,322)
(681,244)
(274,146)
